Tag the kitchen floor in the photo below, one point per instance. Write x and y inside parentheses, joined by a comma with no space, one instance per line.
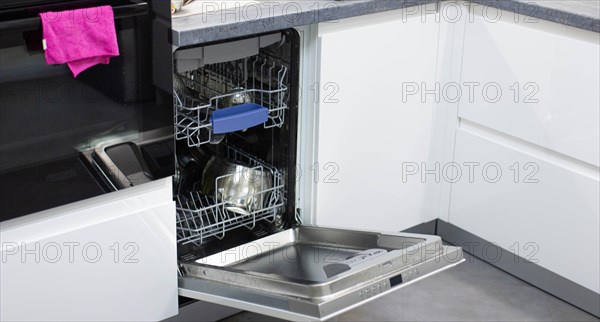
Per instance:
(472,291)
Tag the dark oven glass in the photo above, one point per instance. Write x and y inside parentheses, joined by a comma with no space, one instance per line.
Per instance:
(58,133)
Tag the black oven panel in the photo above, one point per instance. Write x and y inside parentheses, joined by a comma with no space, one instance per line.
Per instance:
(53,126)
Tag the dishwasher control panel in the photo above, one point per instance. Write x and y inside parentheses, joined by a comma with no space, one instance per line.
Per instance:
(374,289)
(410,274)
(382,286)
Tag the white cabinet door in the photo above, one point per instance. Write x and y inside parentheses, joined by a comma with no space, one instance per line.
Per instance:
(529,202)
(536,81)
(366,130)
(108,258)
(530,109)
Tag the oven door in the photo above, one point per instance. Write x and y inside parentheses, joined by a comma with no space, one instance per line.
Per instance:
(49,120)
(314,273)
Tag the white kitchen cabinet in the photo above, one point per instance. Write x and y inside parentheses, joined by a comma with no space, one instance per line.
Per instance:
(542,131)
(366,129)
(111,258)
(535,81)
(537,207)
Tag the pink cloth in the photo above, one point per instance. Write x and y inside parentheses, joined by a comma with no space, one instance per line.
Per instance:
(81,38)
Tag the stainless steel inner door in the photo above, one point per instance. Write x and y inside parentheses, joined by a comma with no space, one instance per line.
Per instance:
(314,273)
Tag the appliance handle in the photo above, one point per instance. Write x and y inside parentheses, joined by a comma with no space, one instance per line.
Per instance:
(136,8)
(238,117)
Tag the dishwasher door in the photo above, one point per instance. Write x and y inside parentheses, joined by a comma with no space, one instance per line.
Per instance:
(314,273)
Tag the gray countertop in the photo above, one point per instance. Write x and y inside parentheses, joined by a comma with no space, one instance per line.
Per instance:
(268,16)
(584,14)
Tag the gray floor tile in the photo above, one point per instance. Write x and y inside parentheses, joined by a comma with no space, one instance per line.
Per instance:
(472,291)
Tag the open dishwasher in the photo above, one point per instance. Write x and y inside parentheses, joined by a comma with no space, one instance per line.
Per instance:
(241,242)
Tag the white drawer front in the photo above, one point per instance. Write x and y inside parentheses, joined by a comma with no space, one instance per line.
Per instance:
(548,77)
(108,258)
(554,221)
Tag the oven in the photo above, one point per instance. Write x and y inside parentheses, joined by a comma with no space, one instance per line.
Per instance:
(55,130)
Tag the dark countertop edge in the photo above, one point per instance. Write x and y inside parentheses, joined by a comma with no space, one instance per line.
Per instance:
(352,9)
(242,28)
(534,10)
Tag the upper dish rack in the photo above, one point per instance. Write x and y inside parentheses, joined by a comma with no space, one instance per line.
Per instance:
(200,217)
(199,93)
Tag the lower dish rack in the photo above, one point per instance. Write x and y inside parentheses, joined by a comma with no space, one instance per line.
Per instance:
(200,217)
(260,79)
